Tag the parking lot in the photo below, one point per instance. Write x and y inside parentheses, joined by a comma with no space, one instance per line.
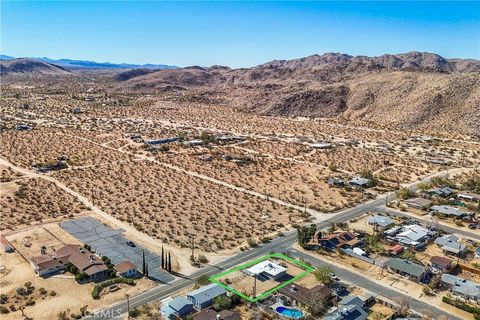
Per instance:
(111,243)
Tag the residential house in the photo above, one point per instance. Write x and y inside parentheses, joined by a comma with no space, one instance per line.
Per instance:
(461,287)
(211,314)
(441,263)
(204,296)
(380,222)
(84,260)
(359,182)
(342,239)
(418,203)
(266,270)
(414,236)
(23,127)
(322,145)
(6,245)
(336,182)
(347,312)
(192,143)
(162,141)
(178,307)
(448,211)
(443,192)
(450,244)
(301,296)
(409,269)
(126,269)
(477,253)
(468,196)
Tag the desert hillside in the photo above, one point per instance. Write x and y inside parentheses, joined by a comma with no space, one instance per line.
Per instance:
(412,91)
(29,66)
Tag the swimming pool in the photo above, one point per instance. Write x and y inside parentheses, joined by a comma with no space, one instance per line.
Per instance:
(289,313)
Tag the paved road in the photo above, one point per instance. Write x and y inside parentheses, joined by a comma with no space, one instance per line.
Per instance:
(278,245)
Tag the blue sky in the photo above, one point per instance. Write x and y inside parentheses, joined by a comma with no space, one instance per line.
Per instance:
(237,34)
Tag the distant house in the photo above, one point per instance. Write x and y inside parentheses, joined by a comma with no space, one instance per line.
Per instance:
(306,297)
(126,269)
(469,196)
(89,98)
(441,263)
(461,287)
(418,203)
(322,145)
(359,182)
(396,250)
(443,192)
(477,253)
(203,297)
(211,314)
(336,182)
(77,110)
(407,269)
(23,127)
(414,235)
(178,307)
(162,141)
(450,244)
(192,143)
(343,239)
(6,245)
(381,222)
(80,257)
(448,211)
(266,269)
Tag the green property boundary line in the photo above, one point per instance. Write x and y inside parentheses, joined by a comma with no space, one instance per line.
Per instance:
(308,270)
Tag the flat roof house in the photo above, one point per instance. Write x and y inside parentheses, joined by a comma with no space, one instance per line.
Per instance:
(346,312)
(203,297)
(267,269)
(461,287)
(407,269)
(443,192)
(380,221)
(178,307)
(448,211)
(450,244)
(414,235)
(418,203)
(359,182)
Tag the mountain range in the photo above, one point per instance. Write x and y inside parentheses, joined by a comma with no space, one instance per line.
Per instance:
(411,90)
(414,90)
(86,64)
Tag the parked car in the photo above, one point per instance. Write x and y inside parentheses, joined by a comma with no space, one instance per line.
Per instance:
(473,226)
(131,244)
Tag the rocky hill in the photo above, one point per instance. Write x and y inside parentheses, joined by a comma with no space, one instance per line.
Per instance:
(29,66)
(411,90)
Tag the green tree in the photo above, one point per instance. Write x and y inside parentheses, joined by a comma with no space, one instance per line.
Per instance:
(323,274)
(368,174)
(306,234)
(408,255)
(203,280)
(373,244)
(221,303)
(405,193)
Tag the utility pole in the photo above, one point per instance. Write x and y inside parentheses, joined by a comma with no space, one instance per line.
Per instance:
(128,306)
(254,286)
(192,236)
(386,199)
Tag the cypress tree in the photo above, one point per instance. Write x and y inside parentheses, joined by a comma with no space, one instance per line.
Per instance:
(169,263)
(143,260)
(163,259)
